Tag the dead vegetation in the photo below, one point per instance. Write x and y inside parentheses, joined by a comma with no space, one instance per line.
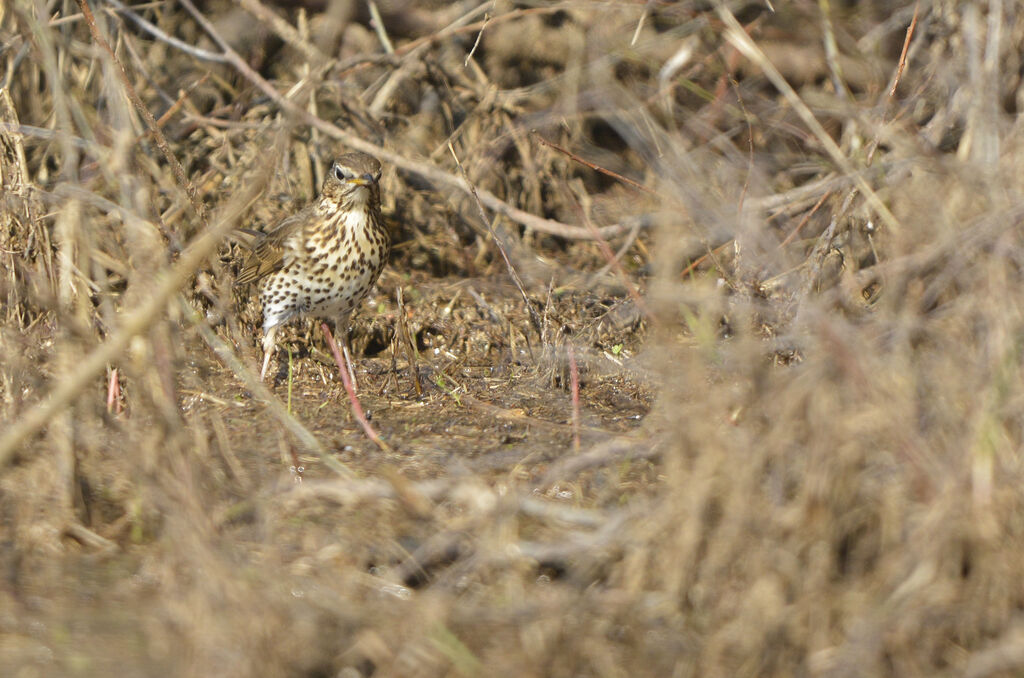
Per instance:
(699,352)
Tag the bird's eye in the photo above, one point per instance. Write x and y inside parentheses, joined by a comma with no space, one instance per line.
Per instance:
(339,173)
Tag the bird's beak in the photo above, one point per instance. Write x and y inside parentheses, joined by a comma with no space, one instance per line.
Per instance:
(365,180)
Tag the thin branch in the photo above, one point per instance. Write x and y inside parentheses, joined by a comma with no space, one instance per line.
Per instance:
(739,38)
(596,168)
(534,317)
(284,30)
(133,323)
(378,26)
(903,53)
(201,54)
(479,35)
(895,80)
(161,141)
(574,380)
(255,386)
(425,170)
(606,453)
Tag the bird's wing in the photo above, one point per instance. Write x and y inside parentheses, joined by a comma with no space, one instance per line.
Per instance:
(267,253)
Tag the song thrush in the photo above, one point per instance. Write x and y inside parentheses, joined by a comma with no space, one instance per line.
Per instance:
(323,260)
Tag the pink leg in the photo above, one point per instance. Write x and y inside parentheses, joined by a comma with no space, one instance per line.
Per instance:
(344,368)
(348,361)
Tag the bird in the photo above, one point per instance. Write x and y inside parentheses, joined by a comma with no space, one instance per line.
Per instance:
(323,260)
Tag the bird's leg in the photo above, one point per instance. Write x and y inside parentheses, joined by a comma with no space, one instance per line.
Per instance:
(269,342)
(342,328)
(348,361)
(357,408)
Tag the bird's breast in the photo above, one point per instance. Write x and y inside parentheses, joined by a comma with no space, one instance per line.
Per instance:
(330,266)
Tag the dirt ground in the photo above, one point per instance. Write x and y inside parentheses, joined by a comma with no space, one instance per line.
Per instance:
(698,352)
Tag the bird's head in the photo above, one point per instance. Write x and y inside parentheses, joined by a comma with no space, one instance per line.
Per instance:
(353,179)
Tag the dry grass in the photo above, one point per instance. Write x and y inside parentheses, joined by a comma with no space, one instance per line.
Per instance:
(784,271)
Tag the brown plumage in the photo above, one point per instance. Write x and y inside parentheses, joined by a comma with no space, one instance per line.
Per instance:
(323,260)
